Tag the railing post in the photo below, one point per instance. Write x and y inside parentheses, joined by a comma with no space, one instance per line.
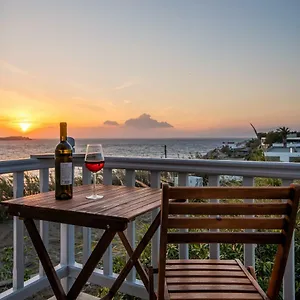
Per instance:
(18,236)
(130,181)
(183,248)
(249,249)
(214,249)
(289,274)
(44,225)
(155,183)
(107,257)
(86,232)
(67,252)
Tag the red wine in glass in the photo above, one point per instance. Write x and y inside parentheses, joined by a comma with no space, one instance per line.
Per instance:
(94,162)
(94,166)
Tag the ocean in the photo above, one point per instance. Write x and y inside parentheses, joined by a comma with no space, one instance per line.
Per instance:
(176,148)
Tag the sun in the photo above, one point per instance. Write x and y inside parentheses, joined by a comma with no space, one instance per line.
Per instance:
(24,126)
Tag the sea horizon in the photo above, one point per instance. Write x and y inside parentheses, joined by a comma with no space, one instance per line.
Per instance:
(127,147)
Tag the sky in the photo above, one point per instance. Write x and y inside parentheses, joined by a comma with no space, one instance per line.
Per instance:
(149,68)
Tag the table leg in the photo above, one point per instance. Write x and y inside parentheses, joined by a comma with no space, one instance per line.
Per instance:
(86,271)
(134,258)
(45,259)
(91,264)
(138,264)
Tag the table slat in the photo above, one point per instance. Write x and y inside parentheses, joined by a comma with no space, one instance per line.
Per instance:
(119,205)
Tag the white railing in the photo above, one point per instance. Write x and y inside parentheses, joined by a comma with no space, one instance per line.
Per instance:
(68,268)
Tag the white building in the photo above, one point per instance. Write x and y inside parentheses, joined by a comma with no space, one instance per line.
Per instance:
(286,154)
(234,145)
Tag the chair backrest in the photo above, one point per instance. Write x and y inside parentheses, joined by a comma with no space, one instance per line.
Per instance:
(275,221)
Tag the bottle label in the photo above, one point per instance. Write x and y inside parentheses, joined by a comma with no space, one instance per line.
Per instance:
(66,171)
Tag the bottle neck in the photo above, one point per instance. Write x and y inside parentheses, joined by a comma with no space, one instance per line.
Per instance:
(63,132)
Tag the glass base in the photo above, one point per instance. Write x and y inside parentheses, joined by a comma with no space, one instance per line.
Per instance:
(94,197)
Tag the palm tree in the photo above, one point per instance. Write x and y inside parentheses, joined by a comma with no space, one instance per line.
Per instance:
(259,135)
(284,131)
(256,133)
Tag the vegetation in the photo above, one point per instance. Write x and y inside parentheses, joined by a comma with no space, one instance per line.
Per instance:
(283,131)
(256,154)
(275,136)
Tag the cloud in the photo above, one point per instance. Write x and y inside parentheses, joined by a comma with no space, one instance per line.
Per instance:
(111,123)
(110,103)
(145,121)
(13,69)
(127,84)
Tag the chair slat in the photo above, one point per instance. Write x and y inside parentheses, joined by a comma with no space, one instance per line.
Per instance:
(208,280)
(229,193)
(203,267)
(226,223)
(203,273)
(216,296)
(228,208)
(226,237)
(211,288)
(201,261)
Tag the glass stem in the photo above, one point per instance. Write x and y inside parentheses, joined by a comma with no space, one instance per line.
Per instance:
(94,186)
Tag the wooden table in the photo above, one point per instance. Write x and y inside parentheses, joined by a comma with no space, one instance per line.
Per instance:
(119,206)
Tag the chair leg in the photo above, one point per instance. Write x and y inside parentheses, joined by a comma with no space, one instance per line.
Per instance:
(252,272)
(151,272)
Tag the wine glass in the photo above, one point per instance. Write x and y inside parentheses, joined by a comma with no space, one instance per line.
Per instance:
(94,162)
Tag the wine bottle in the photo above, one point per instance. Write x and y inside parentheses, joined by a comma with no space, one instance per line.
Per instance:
(63,167)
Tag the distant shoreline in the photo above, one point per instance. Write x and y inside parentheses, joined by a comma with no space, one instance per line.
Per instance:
(15,138)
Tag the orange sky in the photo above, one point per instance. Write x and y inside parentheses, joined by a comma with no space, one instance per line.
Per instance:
(203,69)
(31,109)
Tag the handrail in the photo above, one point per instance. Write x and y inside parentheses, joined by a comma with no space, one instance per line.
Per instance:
(19,165)
(204,166)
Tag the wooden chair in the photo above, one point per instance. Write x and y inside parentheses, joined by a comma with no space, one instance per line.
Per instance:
(224,279)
